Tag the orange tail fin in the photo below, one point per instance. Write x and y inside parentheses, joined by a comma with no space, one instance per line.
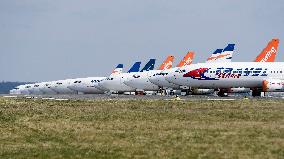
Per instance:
(187,60)
(168,63)
(268,54)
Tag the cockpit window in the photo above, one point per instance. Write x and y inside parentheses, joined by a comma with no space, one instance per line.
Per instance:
(136,76)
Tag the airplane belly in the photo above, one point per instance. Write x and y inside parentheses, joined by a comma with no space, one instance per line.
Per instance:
(162,82)
(116,86)
(47,91)
(91,90)
(224,83)
(143,84)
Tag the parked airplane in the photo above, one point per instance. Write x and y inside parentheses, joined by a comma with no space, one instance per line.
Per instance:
(259,76)
(45,87)
(90,85)
(140,80)
(158,78)
(15,90)
(114,83)
(60,86)
(35,89)
(268,54)
(217,55)
(25,89)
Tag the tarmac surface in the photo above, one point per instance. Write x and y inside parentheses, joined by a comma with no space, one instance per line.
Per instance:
(141,97)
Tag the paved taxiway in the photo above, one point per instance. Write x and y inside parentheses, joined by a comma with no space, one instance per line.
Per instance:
(139,97)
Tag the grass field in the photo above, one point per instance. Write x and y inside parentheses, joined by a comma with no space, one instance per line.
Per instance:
(141,129)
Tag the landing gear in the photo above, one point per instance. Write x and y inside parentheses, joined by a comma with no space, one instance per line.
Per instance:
(186,92)
(222,93)
(141,93)
(256,93)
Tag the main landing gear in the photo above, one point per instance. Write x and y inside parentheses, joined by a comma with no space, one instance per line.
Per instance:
(256,93)
(222,93)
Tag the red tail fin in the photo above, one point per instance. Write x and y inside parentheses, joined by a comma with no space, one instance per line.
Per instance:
(167,64)
(268,54)
(187,60)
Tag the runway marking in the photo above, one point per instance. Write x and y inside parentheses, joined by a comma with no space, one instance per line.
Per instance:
(48,98)
(61,99)
(10,96)
(221,99)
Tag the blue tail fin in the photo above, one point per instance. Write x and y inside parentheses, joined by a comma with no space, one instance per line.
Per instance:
(135,67)
(230,47)
(119,66)
(217,51)
(149,66)
(228,51)
(118,69)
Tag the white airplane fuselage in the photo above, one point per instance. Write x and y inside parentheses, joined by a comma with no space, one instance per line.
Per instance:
(140,81)
(45,87)
(60,87)
(227,75)
(25,89)
(87,85)
(115,83)
(35,89)
(160,80)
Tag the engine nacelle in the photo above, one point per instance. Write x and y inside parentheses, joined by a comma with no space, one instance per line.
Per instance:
(199,91)
(273,85)
(239,90)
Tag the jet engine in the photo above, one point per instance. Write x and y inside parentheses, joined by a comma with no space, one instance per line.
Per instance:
(198,91)
(273,85)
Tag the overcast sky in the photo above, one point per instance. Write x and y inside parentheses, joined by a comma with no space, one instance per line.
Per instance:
(43,40)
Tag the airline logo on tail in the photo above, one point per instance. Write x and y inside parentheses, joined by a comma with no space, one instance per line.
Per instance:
(118,69)
(222,55)
(269,57)
(168,63)
(215,55)
(268,54)
(227,53)
(149,66)
(135,67)
(187,60)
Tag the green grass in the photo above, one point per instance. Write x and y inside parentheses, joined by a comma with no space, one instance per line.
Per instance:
(141,129)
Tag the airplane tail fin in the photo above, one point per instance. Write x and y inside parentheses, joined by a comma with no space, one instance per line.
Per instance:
(168,63)
(227,53)
(187,60)
(268,54)
(214,55)
(118,69)
(135,67)
(149,66)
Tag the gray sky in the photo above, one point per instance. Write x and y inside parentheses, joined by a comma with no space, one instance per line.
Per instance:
(44,40)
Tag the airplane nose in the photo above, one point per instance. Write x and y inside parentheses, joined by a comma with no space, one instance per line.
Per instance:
(104,84)
(72,86)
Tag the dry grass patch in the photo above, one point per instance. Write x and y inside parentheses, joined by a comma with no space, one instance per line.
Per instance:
(141,129)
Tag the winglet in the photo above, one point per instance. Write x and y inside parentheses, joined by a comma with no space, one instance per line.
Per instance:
(135,67)
(268,54)
(118,69)
(168,63)
(149,66)
(187,60)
